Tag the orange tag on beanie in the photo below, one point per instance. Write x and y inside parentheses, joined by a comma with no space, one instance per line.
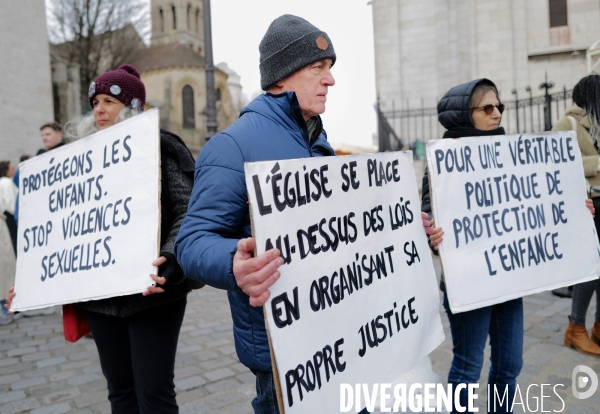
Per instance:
(322,43)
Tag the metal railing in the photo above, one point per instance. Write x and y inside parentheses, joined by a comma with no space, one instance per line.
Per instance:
(532,114)
(409,127)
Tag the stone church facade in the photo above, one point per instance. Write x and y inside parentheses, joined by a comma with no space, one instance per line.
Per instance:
(173,70)
(423,48)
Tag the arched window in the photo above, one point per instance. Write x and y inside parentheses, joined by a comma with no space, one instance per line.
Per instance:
(187,94)
(218,94)
(174,18)
(189,10)
(162,20)
(197,18)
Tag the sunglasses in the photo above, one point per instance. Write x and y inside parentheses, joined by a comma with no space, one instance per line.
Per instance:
(488,109)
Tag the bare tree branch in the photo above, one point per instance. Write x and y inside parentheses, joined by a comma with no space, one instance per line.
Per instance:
(98,35)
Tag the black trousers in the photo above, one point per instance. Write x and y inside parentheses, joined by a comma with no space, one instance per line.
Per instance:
(137,355)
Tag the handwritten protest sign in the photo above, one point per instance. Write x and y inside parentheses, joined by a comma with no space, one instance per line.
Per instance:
(89,217)
(514,216)
(357,300)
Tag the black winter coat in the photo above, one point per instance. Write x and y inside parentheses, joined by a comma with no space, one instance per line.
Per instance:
(454,113)
(177,171)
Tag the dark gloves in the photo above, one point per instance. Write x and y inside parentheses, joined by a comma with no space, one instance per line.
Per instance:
(170,270)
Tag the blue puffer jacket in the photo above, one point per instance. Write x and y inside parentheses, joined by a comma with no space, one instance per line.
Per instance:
(271,127)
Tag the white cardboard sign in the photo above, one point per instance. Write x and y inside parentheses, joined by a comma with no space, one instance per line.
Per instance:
(89,217)
(514,216)
(357,300)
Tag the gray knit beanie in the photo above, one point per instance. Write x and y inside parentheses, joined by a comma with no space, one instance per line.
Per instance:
(290,44)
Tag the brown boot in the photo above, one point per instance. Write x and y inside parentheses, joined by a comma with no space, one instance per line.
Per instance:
(596,333)
(577,337)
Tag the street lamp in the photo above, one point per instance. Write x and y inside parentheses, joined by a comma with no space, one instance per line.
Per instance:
(514,92)
(547,104)
(528,89)
(211,98)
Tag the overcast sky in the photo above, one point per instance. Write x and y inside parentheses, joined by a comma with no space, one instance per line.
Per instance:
(239,25)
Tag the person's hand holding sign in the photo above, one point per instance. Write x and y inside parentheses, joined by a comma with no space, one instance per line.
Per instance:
(435,233)
(9,298)
(435,238)
(590,204)
(427,224)
(255,275)
(158,279)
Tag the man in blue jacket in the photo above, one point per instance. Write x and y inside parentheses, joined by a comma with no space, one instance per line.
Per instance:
(214,243)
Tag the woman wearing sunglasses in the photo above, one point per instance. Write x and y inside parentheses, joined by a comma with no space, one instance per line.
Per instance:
(469,110)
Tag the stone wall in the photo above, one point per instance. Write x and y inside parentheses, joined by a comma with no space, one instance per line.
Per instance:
(164,89)
(424,48)
(26,87)
(66,84)
(163,32)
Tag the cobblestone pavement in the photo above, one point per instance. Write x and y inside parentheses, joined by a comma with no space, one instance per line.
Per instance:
(545,358)
(41,373)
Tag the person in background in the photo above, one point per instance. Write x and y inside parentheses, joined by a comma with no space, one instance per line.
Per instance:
(16,181)
(8,194)
(584,118)
(7,269)
(52,136)
(136,335)
(8,198)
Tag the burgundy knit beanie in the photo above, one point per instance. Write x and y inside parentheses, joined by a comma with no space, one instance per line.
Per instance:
(123,84)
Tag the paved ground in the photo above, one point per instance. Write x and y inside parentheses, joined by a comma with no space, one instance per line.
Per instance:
(42,374)
(546,359)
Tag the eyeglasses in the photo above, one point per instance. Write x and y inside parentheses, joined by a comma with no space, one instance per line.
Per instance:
(488,109)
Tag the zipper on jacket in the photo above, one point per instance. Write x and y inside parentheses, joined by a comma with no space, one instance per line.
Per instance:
(307,137)
(304,129)
(301,122)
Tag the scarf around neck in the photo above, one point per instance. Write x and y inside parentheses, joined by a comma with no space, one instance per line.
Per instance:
(314,126)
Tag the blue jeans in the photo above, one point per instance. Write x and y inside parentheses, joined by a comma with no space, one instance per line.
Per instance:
(266,396)
(504,325)
(582,295)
